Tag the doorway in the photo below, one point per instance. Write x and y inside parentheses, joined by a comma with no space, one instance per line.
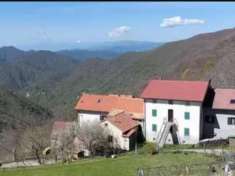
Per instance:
(170,115)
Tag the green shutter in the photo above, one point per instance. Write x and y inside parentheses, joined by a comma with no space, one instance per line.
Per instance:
(154,113)
(186,131)
(186,115)
(154,127)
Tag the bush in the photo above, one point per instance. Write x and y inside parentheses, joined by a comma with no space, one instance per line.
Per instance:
(148,148)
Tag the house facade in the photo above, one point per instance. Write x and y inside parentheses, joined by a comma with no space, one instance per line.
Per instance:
(95,108)
(119,114)
(174,111)
(224,113)
(122,131)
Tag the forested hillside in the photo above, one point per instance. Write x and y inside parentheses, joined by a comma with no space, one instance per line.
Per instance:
(55,80)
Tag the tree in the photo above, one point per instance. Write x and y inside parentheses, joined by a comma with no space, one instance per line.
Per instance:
(13,138)
(34,140)
(93,138)
(63,143)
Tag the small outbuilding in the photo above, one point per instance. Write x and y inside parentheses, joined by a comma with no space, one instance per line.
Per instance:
(224,112)
(123,132)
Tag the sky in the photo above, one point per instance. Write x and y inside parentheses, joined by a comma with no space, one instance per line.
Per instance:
(57,25)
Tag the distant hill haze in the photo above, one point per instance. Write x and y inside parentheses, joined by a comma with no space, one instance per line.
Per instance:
(202,57)
(108,50)
(9,54)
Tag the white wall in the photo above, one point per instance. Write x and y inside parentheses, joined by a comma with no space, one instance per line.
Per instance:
(179,108)
(112,130)
(84,118)
(224,129)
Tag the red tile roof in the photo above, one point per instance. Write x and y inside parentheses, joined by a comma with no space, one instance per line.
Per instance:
(108,103)
(176,90)
(223,99)
(124,122)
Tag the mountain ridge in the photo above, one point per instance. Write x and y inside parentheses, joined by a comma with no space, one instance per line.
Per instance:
(201,57)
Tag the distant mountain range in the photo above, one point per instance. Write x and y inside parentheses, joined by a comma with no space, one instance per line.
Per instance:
(121,46)
(108,50)
(202,57)
(37,73)
(20,69)
(55,79)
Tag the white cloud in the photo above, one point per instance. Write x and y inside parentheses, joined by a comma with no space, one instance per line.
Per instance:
(177,21)
(119,31)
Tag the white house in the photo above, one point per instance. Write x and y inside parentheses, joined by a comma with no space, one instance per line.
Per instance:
(95,108)
(122,130)
(224,113)
(174,111)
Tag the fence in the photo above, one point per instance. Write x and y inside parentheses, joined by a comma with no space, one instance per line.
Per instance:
(213,169)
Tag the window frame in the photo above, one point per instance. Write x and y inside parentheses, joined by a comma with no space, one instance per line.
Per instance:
(110,138)
(232,120)
(154,110)
(188,132)
(154,129)
(186,117)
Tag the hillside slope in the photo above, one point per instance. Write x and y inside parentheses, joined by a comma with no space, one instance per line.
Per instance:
(55,81)
(82,55)
(10,54)
(35,68)
(16,110)
(203,57)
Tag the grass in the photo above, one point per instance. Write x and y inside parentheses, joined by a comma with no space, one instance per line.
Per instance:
(168,147)
(126,165)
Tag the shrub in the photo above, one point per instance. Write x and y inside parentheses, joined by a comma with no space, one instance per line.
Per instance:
(148,148)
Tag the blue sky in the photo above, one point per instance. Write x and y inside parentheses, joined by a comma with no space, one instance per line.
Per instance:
(55,25)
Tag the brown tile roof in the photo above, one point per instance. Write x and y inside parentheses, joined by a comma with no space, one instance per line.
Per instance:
(124,122)
(223,99)
(176,90)
(108,103)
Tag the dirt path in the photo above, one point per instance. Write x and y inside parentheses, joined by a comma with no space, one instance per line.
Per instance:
(27,163)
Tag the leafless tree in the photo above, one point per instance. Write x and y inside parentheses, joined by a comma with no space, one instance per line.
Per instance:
(34,140)
(63,144)
(93,138)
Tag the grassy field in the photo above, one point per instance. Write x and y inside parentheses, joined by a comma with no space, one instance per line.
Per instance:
(121,166)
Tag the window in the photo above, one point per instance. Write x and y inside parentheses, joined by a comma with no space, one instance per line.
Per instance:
(154,113)
(102,117)
(231,121)
(186,115)
(154,127)
(170,101)
(110,138)
(186,131)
